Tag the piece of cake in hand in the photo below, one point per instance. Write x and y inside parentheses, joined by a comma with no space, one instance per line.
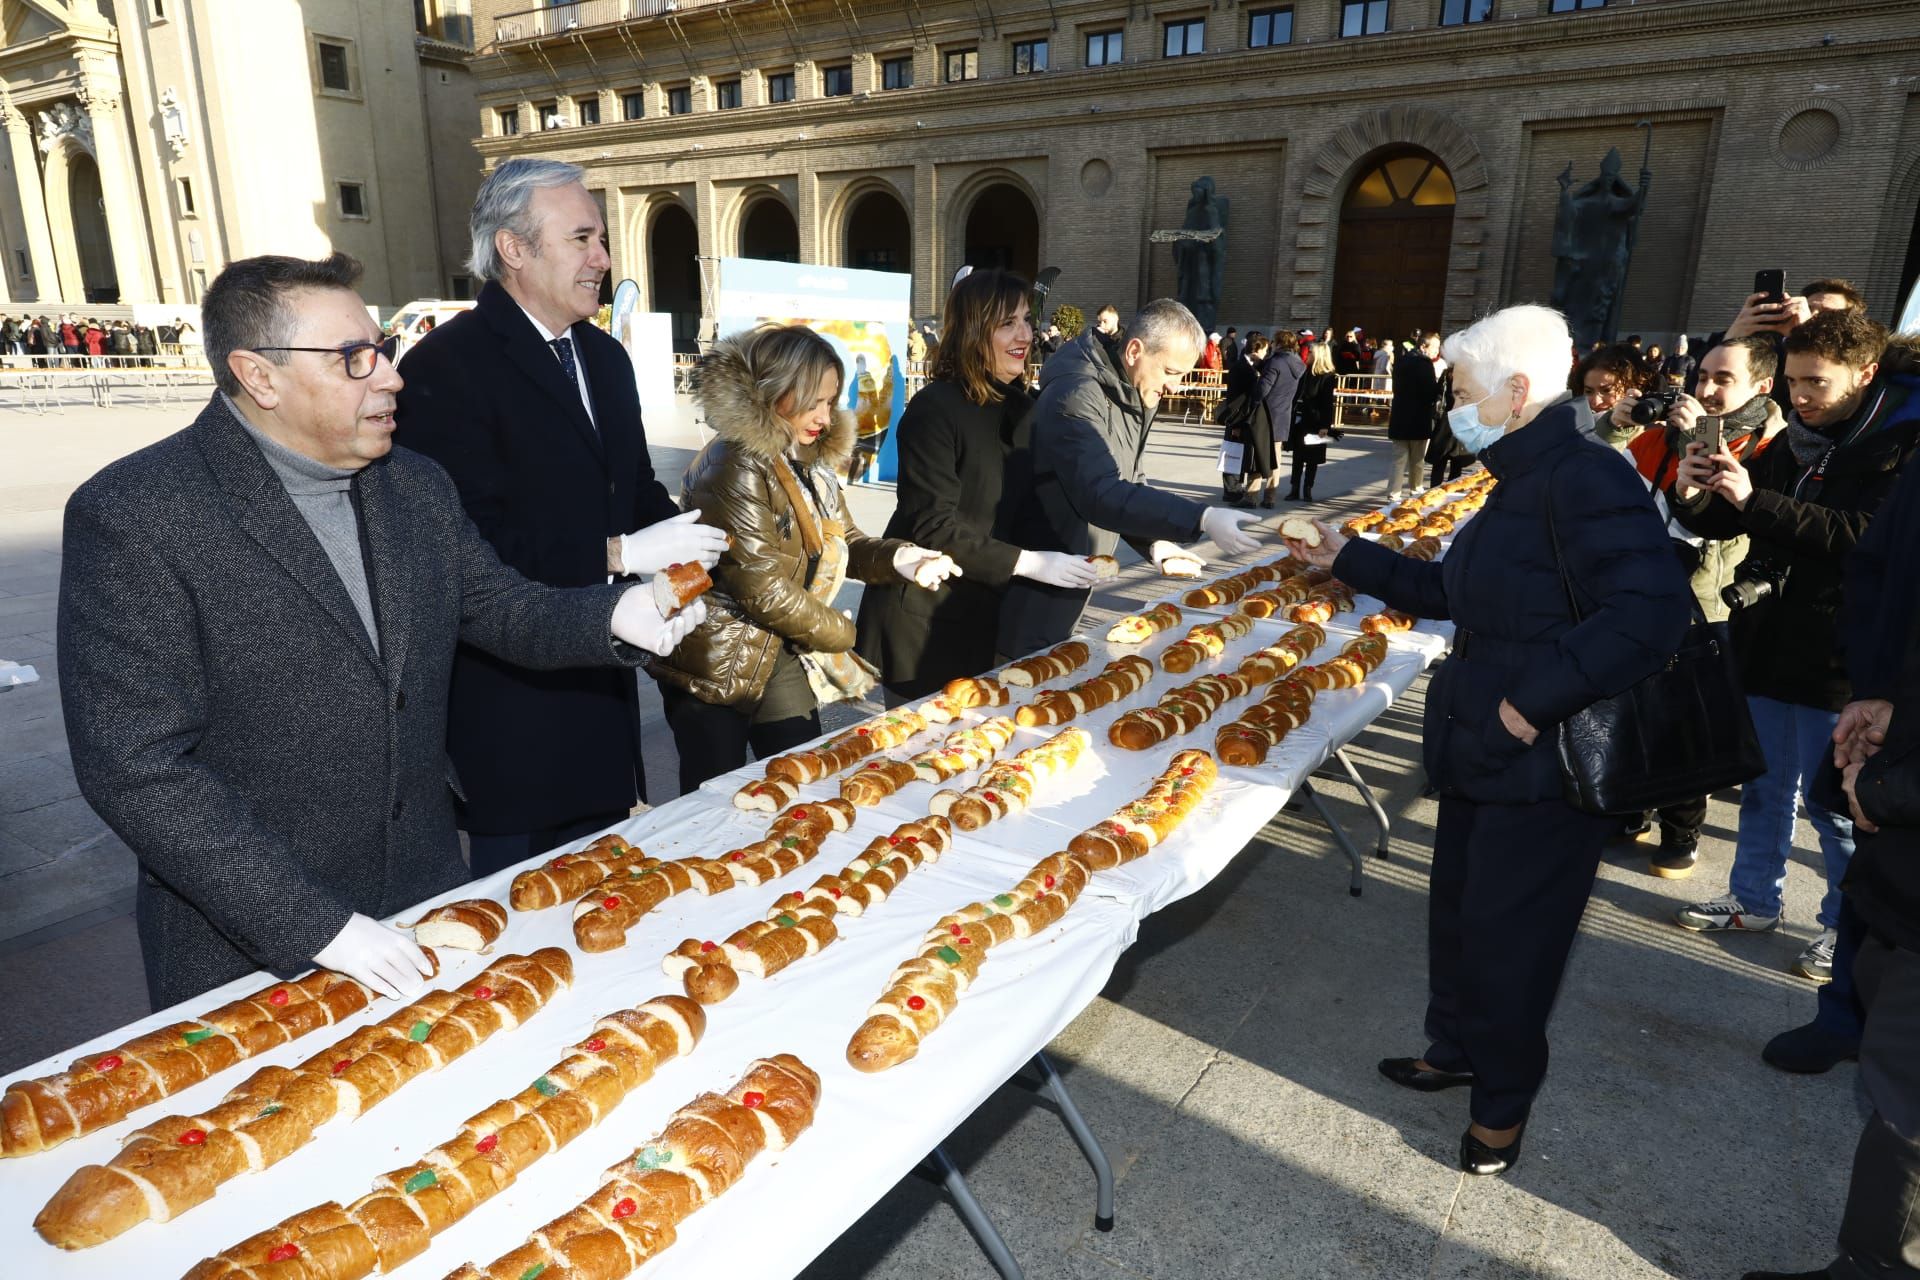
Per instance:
(1300,529)
(1104,566)
(472,924)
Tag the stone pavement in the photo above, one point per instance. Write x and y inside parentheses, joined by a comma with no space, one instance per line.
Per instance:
(1229,1065)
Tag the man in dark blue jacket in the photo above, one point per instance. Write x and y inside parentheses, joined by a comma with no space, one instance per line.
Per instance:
(533,412)
(1878,752)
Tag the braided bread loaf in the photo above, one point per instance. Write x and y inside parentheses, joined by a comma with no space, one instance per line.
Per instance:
(1145,824)
(702,1151)
(571,874)
(1138,628)
(1008,786)
(882,733)
(1062,660)
(104,1088)
(875,781)
(964,694)
(1289,702)
(1208,640)
(1120,678)
(923,991)
(409,1206)
(964,750)
(766,794)
(1387,622)
(179,1162)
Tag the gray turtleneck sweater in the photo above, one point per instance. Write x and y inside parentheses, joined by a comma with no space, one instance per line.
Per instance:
(321,495)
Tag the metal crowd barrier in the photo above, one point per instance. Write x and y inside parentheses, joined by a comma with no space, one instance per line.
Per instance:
(44,382)
(1362,399)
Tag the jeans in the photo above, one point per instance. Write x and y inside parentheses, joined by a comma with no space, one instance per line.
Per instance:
(1795,740)
(1409,457)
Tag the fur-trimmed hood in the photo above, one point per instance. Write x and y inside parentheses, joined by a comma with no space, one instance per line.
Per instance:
(742,413)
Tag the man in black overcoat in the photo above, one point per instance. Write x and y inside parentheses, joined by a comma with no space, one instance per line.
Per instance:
(257,626)
(533,412)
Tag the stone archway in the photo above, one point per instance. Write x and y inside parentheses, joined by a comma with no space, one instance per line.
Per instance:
(92,240)
(1000,226)
(876,232)
(768,230)
(673,270)
(1342,161)
(1390,267)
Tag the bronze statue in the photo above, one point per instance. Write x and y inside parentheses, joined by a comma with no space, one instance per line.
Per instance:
(1593,235)
(1199,259)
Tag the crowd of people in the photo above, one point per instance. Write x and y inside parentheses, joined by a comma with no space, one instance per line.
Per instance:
(74,336)
(297,661)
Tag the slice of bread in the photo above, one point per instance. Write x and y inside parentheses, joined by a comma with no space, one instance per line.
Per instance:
(1300,529)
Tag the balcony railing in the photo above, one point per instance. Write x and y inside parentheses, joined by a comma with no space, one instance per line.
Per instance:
(556,19)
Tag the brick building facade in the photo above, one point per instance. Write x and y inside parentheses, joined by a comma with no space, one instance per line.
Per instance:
(1387,162)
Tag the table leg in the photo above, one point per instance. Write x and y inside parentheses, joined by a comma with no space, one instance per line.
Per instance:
(1367,796)
(1056,1088)
(948,1174)
(1339,835)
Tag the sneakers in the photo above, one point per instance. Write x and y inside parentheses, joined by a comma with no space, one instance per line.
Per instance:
(1675,859)
(1637,827)
(1725,913)
(1816,962)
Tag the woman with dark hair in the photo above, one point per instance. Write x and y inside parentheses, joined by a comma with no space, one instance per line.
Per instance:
(958,494)
(1599,380)
(1312,421)
(1238,398)
(754,673)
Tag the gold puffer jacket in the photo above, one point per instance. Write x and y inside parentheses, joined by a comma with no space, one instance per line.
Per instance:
(759,599)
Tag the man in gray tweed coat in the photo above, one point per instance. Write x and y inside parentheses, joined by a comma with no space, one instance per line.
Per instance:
(258,618)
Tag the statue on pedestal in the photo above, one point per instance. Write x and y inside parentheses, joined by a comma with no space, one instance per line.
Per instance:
(1199,259)
(1593,236)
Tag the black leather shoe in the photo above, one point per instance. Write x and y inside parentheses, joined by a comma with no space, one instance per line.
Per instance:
(1481,1160)
(1407,1073)
(1809,1050)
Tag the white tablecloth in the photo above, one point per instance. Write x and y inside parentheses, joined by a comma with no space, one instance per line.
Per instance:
(871,1129)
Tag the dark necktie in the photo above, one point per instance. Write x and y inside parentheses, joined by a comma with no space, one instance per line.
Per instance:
(563,347)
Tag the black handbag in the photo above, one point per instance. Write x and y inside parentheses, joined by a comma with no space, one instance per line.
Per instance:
(1681,733)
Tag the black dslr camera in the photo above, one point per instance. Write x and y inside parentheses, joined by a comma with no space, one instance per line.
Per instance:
(1654,406)
(1753,582)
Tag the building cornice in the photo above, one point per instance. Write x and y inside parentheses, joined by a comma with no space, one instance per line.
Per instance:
(841,122)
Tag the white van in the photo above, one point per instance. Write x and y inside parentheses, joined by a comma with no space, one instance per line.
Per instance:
(417,318)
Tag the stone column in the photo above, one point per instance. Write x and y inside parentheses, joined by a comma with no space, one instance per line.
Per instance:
(47,284)
(126,218)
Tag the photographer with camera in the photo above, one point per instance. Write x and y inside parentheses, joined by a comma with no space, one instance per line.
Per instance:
(1804,504)
(1732,408)
(1600,380)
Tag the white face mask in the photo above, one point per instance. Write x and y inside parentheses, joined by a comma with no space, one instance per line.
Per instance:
(1467,428)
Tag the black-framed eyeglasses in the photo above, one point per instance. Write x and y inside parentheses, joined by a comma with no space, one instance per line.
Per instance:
(359,357)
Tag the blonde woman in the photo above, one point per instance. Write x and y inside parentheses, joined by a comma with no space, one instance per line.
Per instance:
(753,674)
(1312,424)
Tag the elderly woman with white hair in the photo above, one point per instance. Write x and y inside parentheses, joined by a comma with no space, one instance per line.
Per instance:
(1513,862)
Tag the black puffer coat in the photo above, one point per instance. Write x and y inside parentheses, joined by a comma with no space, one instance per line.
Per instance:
(1500,585)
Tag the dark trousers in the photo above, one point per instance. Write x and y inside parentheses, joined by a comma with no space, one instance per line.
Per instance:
(1303,474)
(1880,1229)
(488,854)
(713,739)
(1510,883)
(1683,821)
(1446,469)
(1838,1010)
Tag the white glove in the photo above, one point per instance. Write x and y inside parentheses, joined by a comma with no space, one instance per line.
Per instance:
(382,958)
(1175,561)
(924,568)
(637,620)
(1056,569)
(1225,527)
(680,540)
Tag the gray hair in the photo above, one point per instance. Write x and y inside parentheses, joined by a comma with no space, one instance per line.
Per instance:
(505,203)
(1164,323)
(1528,340)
